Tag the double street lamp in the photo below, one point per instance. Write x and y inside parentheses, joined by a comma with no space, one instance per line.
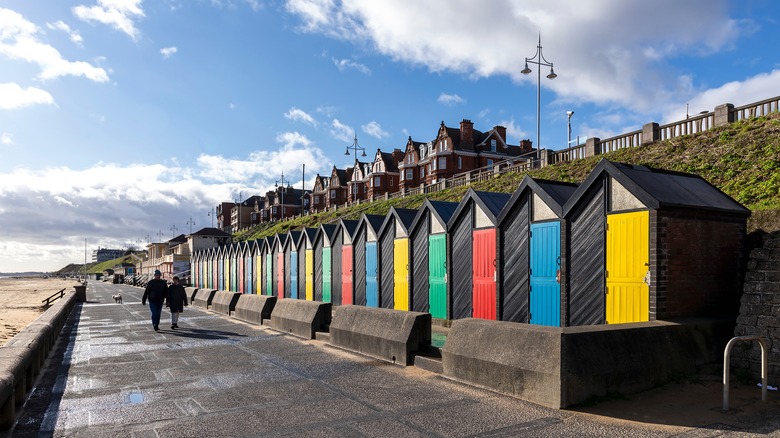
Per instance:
(539,60)
(282,181)
(355,147)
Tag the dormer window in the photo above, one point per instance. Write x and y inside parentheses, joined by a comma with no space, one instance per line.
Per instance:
(492,145)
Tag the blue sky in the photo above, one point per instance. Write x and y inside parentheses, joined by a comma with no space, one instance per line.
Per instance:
(122,119)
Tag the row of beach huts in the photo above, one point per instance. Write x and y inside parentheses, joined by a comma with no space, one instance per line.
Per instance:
(628,244)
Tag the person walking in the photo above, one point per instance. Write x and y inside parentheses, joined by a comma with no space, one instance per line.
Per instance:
(177,300)
(156,292)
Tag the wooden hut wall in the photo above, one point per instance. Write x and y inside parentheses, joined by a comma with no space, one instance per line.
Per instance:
(385,265)
(462,280)
(302,269)
(287,273)
(274,265)
(513,243)
(419,262)
(359,270)
(587,258)
(335,254)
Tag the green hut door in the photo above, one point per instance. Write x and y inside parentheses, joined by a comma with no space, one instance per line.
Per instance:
(437,275)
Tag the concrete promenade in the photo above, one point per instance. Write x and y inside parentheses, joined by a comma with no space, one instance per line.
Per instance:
(112,375)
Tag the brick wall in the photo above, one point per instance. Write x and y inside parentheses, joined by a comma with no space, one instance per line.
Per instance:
(699,263)
(759,312)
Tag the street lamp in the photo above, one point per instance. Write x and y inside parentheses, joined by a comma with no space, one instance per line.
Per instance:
(568,123)
(276,184)
(355,147)
(539,60)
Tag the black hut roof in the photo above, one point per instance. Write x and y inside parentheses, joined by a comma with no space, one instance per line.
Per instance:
(403,215)
(443,211)
(490,202)
(657,188)
(553,193)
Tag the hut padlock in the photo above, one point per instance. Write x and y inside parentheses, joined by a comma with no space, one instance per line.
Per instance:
(647,278)
(558,276)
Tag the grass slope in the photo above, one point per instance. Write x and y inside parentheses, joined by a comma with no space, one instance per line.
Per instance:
(741,159)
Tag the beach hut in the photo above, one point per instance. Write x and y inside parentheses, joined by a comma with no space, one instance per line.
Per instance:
(323,263)
(280,264)
(221,267)
(430,255)
(648,244)
(393,241)
(306,263)
(268,266)
(343,265)
(291,264)
(365,260)
(531,245)
(472,230)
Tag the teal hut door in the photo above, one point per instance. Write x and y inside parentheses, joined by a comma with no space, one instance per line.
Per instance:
(437,275)
(545,265)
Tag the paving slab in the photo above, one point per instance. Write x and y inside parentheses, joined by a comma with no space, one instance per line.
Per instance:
(112,375)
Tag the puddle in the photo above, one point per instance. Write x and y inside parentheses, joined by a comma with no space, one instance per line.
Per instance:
(135,398)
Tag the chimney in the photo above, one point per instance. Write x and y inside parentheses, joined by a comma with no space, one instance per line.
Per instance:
(466,134)
(526,146)
(501,131)
(398,156)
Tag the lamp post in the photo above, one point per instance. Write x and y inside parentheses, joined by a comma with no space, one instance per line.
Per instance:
(539,60)
(276,184)
(568,123)
(211,213)
(355,148)
(191,222)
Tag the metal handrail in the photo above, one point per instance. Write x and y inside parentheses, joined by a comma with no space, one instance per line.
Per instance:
(727,363)
(49,300)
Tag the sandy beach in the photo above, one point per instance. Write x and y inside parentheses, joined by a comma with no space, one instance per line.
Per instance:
(21,301)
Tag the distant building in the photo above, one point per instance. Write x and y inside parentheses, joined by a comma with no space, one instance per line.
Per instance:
(104,254)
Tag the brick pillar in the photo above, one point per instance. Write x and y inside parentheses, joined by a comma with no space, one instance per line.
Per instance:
(650,133)
(545,157)
(724,114)
(592,147)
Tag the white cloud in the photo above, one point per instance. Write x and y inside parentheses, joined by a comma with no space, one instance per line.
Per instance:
(6,138)
(73,34)
(342,132)
(299,115)
(119,14)
(738,93)
(623,49)
(513,131)
(348,64)
(167,52)
(374,129)
(13,96)
(450,99)
(19,40)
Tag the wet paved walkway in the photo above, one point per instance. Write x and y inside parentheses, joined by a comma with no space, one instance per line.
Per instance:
(219,377)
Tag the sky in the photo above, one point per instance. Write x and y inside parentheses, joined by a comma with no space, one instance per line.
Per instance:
(126,121)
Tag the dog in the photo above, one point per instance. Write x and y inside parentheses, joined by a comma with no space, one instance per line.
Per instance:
(117,298)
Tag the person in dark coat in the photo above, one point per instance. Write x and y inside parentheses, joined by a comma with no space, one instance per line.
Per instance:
(156,292)
(177,300)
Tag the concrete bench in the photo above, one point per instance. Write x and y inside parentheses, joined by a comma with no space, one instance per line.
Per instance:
(203,298)
(224,302)
(390,335)
(254,308)
(191,291)
(300,318)
(560,367)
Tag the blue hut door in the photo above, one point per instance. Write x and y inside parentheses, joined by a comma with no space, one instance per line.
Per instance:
(545,265)
(293,274)
(372,289)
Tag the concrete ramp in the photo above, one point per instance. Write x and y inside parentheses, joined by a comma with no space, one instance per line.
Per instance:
(390,335)
(301,318)
(254,308)
(224,302)
(563,367)
(191,291)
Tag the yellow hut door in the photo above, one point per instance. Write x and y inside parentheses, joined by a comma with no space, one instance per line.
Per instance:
(628,261)
(401,274)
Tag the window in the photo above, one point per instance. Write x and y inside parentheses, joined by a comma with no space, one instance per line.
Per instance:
(492,145)
(377,181)
(391,180)
(316,199)
(434,165)
(422,172)
(274,210)
(460,163)
(489,162)
(409,174)
(442,163)
(332,194)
